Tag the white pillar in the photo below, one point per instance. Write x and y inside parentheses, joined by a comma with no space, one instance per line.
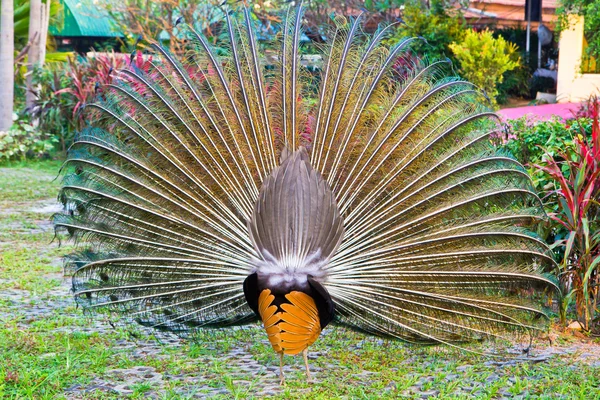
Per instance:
(570,48)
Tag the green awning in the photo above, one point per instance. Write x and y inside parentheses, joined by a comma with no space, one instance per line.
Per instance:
(84,19)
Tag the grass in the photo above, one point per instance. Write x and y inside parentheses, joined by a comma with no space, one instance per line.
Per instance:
(50,350)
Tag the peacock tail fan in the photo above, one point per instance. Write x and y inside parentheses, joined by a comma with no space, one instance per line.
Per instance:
(437,223)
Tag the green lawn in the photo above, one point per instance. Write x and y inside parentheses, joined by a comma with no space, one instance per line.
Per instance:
(49,349)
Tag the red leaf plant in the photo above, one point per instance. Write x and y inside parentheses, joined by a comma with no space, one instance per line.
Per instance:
(90,75)
(577,174)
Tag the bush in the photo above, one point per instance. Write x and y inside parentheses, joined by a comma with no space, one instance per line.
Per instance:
(590,10)
(88,76)
(484,59)
(435,25)
(588,108)
(528,140)
(24,141)
(563,158)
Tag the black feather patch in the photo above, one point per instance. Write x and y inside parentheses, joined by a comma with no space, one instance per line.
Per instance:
(251,292)
(323,300)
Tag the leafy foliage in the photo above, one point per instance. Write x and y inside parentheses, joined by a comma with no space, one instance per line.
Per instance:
(590,10)
(484,59)
(21,35)
(577,180)
(435,25)
(24,141)
(21,19)
(528,139)
(87,76)
(588,108)
(63,92)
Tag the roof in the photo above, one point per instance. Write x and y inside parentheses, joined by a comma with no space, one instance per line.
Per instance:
(517,3)
(508,12)
(84,19)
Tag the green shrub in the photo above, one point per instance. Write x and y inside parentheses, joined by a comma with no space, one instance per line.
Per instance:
(484,59)
(526,138)
(435,25)
(24,141)
(65,89)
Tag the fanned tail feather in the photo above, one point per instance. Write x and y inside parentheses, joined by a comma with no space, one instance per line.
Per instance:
(437,241)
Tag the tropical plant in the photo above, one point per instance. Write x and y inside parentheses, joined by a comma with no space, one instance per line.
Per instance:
(52,110)
(484,59)
(23,86)
(65,90)
(587,108)
(577,193)
(22,41)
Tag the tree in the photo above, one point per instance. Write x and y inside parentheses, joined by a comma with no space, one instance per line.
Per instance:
(7,55)
(33,55)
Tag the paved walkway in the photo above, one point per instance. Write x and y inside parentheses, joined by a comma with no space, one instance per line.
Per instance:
(542,112)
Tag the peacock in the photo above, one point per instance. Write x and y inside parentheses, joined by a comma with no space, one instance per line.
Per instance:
(221,186)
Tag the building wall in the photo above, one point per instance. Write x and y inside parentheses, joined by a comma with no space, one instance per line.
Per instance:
(572,85)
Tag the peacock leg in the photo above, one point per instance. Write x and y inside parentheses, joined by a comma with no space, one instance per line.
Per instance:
(305,355)
(281,377)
